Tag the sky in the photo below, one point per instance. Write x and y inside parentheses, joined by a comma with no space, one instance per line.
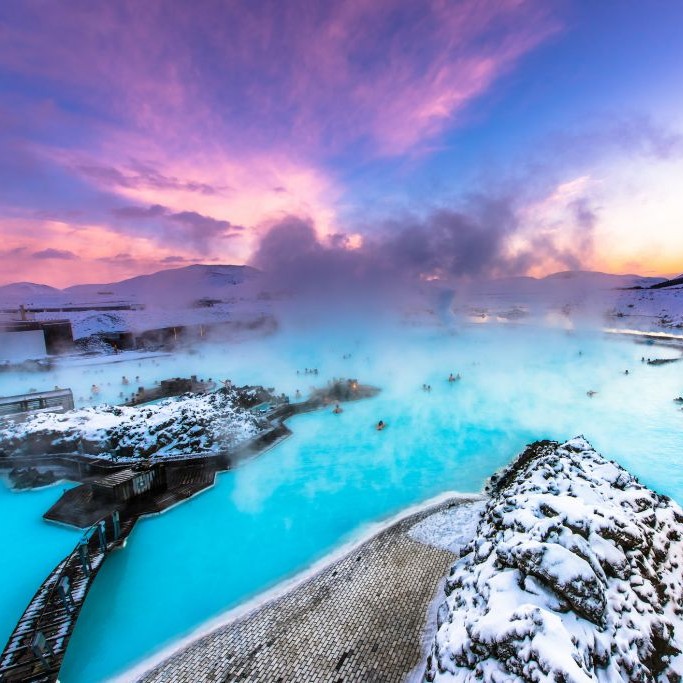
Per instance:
(445,139)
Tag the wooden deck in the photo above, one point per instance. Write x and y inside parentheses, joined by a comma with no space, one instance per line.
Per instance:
(53,618)
(78,507)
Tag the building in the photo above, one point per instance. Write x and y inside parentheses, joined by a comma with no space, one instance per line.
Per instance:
(130,483)
(18,407)
(22,340)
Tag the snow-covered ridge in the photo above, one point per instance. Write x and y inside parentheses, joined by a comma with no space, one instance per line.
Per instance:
(172,285)
(575,574)
(227,297)
(190,423)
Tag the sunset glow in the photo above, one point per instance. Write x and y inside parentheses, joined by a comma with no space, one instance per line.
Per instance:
(137,136)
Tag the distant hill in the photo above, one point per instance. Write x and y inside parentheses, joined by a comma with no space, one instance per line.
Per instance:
(600,279)
(674,282)
(27,292)
(570,280)
(181,286)
(175,286)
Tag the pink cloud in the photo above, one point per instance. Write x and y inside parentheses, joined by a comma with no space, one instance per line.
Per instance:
(400,74)
(300,76)
(208,116)
(34,251)
(51,253)
(251,189)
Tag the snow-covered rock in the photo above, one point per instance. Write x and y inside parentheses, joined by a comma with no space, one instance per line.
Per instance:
(90,324)
(575,574)
(190,423)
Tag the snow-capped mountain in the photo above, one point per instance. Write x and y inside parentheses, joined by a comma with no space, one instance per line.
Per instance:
(175,286)
(193,295)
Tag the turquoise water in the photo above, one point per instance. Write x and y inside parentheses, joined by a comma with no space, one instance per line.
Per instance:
(32,549)
(292,505)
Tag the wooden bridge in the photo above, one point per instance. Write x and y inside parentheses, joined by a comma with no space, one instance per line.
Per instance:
(36,648)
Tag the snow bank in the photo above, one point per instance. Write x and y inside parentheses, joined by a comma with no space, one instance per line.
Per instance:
(190,423)
(451,528)
(574,574)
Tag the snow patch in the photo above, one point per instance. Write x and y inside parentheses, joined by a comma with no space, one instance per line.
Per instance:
(451,528)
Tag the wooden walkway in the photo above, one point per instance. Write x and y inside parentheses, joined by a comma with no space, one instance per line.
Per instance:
(361,619)
(36,648)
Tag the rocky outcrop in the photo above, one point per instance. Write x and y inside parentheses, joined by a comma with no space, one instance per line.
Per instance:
(343,390)
(575,574)
(188,424)
(31,477)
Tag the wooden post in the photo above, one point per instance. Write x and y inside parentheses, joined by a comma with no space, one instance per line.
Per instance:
(41,649)
(64,589)
(102,535)
(85,556)
(117,524)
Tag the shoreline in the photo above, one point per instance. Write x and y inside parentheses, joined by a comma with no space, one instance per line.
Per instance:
(361,537)
(652,334)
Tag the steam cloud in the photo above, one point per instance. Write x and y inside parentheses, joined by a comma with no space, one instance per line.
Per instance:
(448,245)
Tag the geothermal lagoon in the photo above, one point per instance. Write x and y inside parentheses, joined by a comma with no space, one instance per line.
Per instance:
(282,511)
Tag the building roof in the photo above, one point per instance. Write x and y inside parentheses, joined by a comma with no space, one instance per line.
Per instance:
(125,475)
(29,325)
(117,477)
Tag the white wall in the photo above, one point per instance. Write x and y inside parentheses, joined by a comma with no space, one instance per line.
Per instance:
(19,346)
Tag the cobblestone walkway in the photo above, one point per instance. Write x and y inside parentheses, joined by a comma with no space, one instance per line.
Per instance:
(360,620)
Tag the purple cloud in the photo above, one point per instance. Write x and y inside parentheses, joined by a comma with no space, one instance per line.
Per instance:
(121,259)
(200,230)
(174,259)
(356,71)
(17,251)
(140,176)
(54,254)
(136,212)
(203,225)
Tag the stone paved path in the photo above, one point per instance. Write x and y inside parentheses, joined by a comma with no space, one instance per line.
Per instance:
(360,620)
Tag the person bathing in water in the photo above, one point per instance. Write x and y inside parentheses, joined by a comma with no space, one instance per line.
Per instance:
(337,409)
(380,426)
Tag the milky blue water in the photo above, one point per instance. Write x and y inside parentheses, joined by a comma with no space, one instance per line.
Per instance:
(292,505)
